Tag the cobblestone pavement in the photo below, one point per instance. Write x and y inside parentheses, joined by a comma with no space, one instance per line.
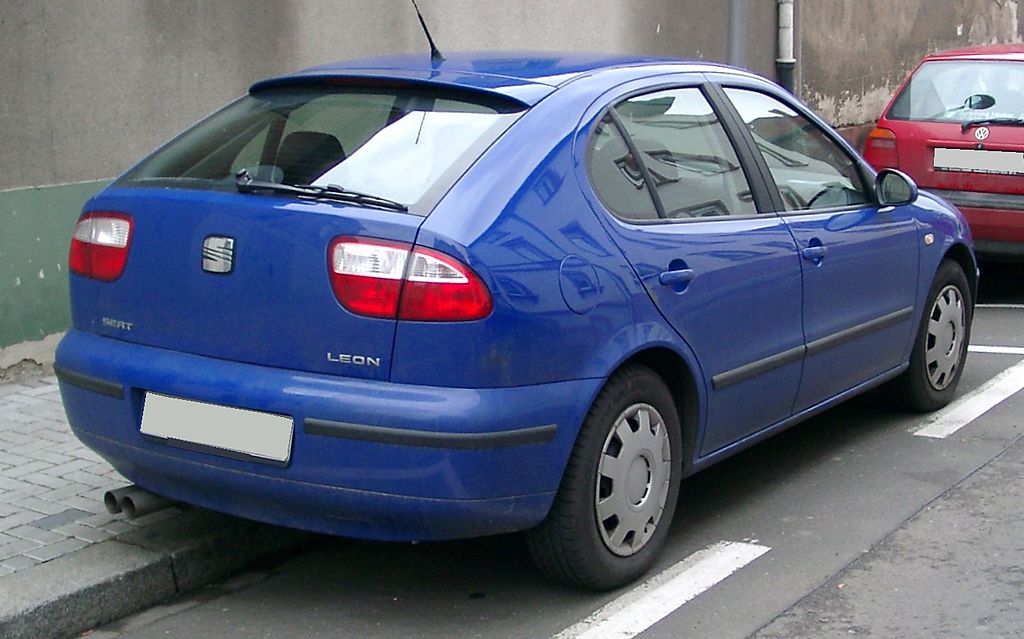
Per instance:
(51,486)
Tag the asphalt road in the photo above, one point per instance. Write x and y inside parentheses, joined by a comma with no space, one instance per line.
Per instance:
(848,524)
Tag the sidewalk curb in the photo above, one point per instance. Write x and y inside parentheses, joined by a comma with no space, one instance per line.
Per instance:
(114,578)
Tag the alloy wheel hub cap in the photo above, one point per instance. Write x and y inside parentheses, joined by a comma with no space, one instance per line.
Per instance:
(946,327)
(632,479)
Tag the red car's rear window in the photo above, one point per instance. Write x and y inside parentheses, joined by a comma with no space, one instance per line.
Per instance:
(942,91)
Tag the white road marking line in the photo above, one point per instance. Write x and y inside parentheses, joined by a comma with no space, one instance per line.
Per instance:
(974,404)
(998,350)
(1018,307)
(656,598)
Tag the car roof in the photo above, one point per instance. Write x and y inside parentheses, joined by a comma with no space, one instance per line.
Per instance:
(525,76)
(1012,52)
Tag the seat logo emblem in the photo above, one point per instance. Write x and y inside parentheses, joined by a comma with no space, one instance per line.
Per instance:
(981,133)
(218,254)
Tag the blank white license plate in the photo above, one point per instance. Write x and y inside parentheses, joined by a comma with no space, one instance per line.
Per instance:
(979,161)
(218,429)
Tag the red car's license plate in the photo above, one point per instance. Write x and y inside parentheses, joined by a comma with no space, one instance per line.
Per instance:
(979,161)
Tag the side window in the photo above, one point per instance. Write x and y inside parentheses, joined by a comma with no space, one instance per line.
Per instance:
(811,171)
(616,175)
(687,159)
(690,160)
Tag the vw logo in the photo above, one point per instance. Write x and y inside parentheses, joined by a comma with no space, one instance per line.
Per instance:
(981,133)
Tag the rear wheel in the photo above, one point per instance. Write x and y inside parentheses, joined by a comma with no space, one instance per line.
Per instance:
(617,497)
(940,349)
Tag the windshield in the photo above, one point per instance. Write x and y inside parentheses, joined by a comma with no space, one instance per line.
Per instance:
(402,144)
(960,90)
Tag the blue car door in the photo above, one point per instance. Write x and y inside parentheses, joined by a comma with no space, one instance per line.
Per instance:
(859,262)
(679,203)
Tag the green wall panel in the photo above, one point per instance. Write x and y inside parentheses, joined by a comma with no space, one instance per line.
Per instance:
(35,229)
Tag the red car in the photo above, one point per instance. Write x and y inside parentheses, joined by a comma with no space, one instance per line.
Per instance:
(956,126)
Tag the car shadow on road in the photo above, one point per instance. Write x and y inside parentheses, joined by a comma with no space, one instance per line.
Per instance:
(1000,282)
(487,587)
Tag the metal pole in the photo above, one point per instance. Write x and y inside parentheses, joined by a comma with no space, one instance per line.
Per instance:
(738,33)
(785,64)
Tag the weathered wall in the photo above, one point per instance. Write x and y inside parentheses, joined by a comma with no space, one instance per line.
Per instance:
(854,53)
(101,82)
(90,86)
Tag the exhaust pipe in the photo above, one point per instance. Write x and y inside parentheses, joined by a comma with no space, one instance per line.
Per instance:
(111,498)
(134,502)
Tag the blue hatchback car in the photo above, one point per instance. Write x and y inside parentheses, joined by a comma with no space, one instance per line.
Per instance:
(411,299)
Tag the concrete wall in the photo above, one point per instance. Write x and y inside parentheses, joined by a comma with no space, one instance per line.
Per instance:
(101,82)
(90,86)
(854,53)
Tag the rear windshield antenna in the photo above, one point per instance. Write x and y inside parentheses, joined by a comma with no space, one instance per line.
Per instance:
(435,55)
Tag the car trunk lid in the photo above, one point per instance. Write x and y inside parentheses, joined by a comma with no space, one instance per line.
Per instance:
(243,277)
(985,159)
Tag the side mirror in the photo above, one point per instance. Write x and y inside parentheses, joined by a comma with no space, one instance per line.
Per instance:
(894,188)
(979,101)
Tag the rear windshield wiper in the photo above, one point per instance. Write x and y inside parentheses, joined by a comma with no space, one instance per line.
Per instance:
(247,184)
(998,121)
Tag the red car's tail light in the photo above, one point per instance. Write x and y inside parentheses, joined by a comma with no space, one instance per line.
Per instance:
(99,246)
(880,149)
(396,280)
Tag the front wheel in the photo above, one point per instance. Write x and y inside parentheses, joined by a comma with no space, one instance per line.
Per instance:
(618,494)
(940,348)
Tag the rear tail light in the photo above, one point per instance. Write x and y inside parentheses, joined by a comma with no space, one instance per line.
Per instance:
(439,288)
(880,149)
(367,277)
(396,280)
(99,246)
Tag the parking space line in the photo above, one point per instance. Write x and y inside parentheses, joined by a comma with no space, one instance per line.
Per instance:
(974,404)
(650,602)
(998,350)
(1018,307)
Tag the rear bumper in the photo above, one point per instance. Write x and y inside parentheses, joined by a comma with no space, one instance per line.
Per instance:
(997,233)
(368,459)
(996,220)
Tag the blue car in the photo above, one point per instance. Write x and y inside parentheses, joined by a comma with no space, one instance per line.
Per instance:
(411,299)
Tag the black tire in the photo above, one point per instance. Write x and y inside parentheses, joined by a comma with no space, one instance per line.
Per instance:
(940,347)
(571,544)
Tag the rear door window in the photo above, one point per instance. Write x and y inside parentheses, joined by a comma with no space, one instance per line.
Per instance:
(687,169)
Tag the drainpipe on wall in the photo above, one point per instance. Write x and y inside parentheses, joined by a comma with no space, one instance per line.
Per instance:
(785,64)
(738,33)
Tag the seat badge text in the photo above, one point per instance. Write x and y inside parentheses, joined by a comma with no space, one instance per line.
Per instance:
(355,360)
(120,325)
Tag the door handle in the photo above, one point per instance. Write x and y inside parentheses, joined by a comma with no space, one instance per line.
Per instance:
(813,253)
(679,277)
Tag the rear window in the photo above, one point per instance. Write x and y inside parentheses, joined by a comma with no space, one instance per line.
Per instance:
(403,144)
(940,91)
